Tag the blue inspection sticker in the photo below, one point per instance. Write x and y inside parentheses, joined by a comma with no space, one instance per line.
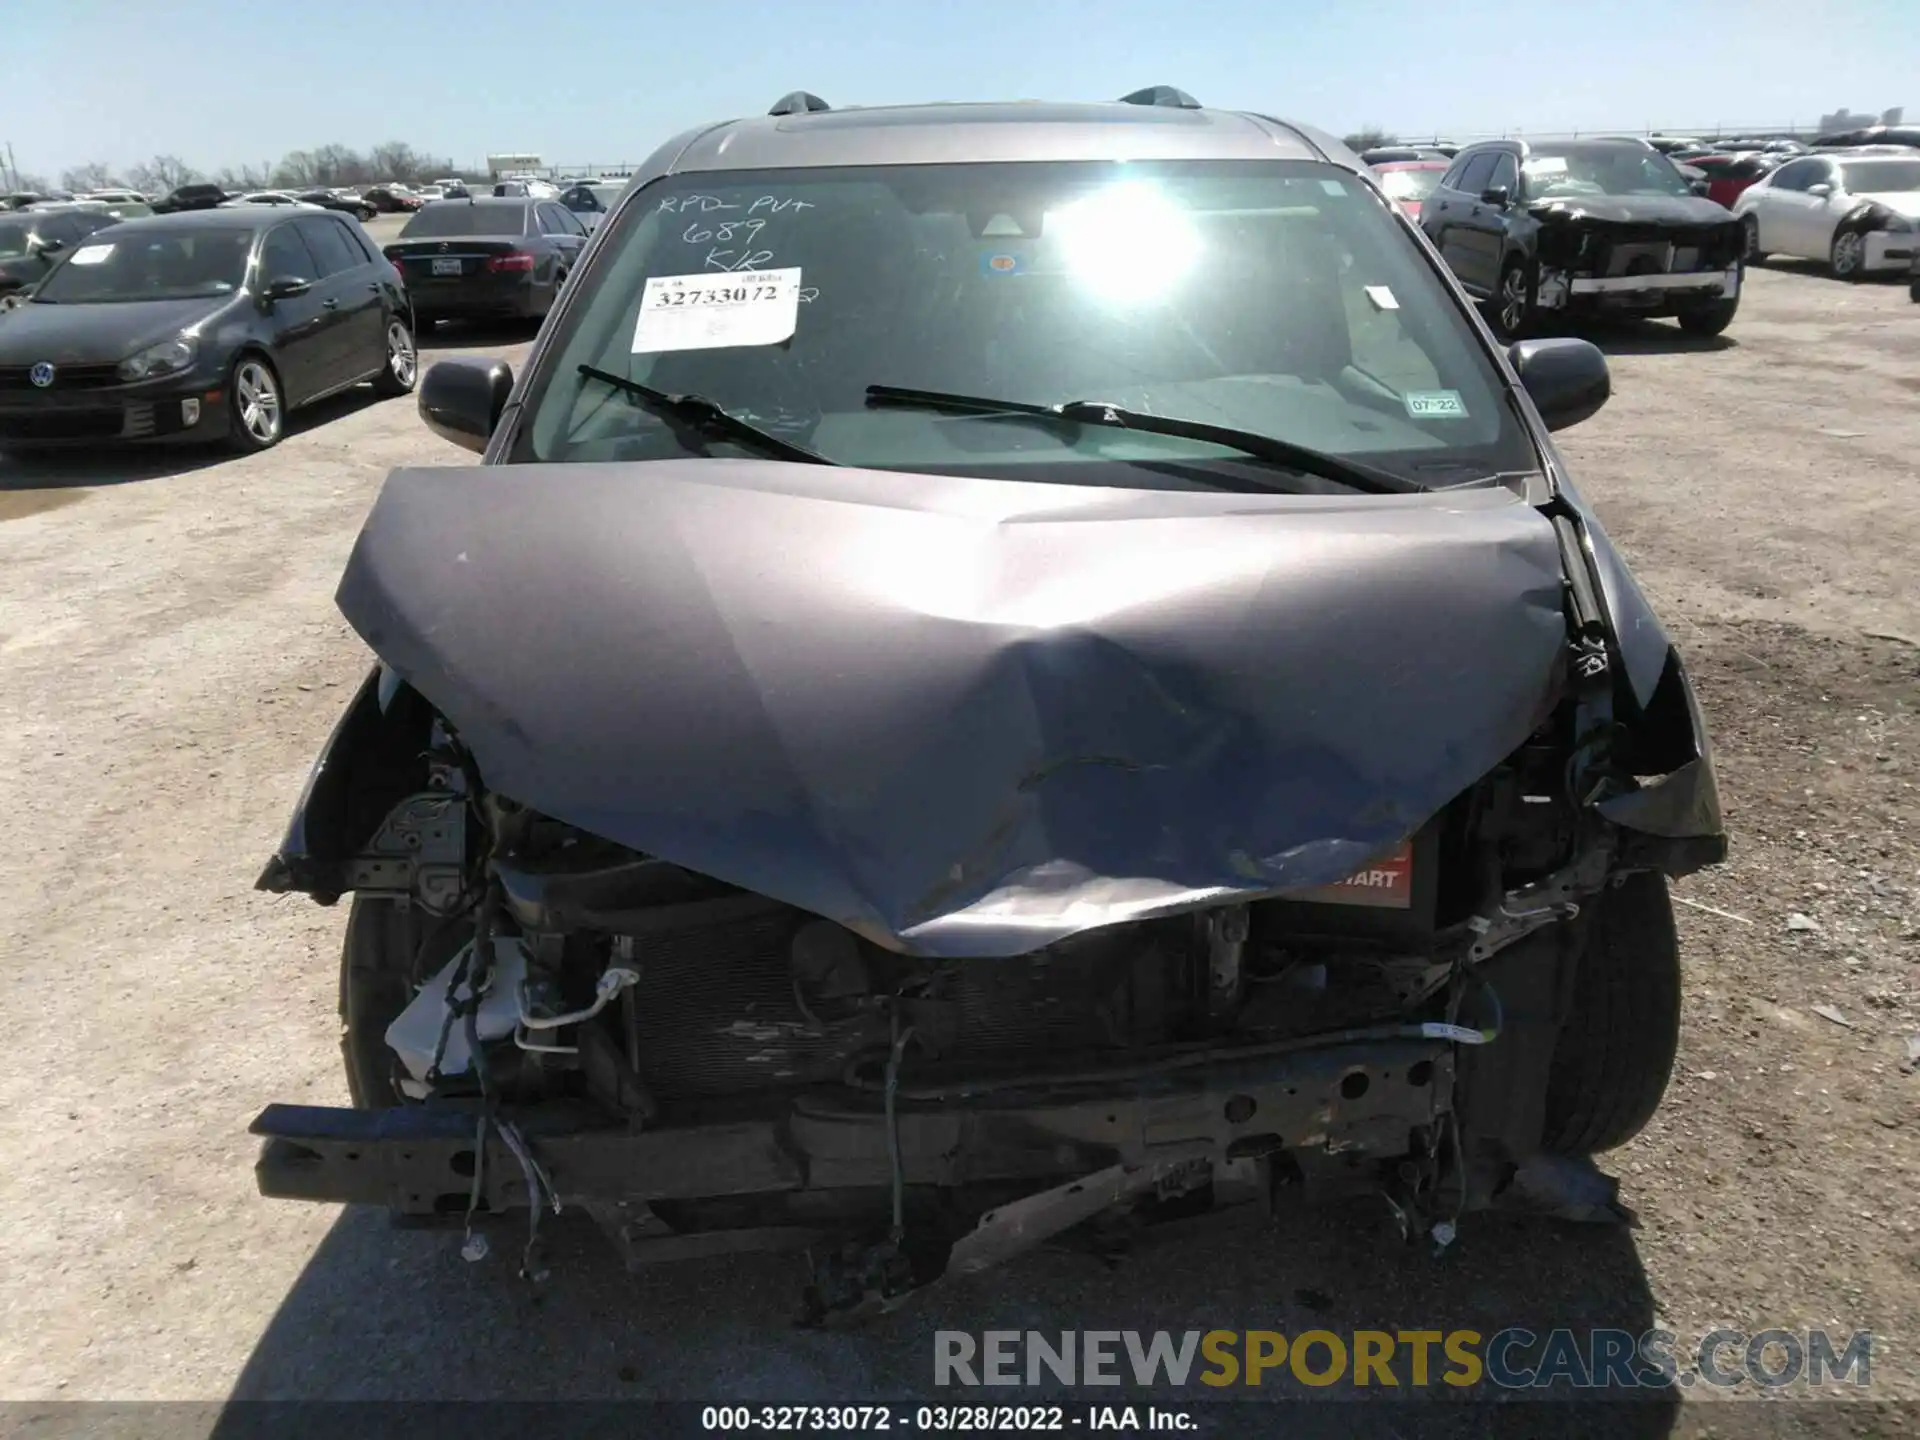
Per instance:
(1001,264)
(1435,405)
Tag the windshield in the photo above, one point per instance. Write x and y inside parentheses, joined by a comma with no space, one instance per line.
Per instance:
(150,264)
(1601,170)
(1275,298)
(460,217)
(1412,184)
(13,238)
(1882,178)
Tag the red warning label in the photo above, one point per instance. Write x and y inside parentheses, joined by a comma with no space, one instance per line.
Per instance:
(1386,881)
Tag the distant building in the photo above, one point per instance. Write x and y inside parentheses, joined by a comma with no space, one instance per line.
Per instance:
(1845,119)
(499,165)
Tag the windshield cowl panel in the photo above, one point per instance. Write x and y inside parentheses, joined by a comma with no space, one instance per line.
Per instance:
(1278,300)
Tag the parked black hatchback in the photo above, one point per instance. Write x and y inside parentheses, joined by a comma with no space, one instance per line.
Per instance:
(1581,228)
(204,325)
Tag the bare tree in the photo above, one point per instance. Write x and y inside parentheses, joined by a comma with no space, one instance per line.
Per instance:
(296,168)
(247,177)
(91,176)
(337,165)
(396,161)
(161,174)
(1370,137)
(30,184)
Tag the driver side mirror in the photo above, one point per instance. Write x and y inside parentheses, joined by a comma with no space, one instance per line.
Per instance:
(1820,189)
(285,287)
(461,399)
(1498,195)
(1567,380)
(49,244)
(1699,187)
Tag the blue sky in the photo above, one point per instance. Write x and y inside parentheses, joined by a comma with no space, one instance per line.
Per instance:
(228,82)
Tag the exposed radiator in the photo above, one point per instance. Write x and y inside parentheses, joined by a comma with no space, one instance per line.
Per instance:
(719,1011)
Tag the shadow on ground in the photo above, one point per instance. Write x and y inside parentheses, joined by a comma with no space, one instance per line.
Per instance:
(1820,270)
(47,480)
(388,1314)
(1652,337)
(482,335)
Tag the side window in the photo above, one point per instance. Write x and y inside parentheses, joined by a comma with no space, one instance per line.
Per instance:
(1796,176)
(1451,180)
(1506,171)
(59,227)
(358,240)
(286,257)
(569,221)
(328,244)
(1479,171)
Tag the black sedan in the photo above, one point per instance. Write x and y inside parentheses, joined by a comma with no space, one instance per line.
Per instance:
(32,242)
(345,204)
(202,326)
(486,258)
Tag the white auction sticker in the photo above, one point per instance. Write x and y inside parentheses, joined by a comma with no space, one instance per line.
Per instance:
(91,255)
(716,310)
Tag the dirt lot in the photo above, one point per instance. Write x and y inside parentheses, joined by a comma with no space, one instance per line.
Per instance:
(170,660)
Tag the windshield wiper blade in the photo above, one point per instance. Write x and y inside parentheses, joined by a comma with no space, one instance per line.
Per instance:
(703,414)
(1354,474)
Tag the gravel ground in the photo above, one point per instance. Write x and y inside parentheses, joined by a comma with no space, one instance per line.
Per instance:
(170,661)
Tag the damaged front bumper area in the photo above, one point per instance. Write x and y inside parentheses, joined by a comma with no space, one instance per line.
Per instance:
(1587,266)
(1035,1160)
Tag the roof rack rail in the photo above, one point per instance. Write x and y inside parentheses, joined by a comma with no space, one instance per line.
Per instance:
(1161,95)
(798,102)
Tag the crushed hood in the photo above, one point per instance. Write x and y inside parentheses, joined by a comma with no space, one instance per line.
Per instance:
(1686,212)
(963,716)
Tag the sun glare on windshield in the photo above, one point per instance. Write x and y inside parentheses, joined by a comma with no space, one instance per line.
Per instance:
(1127,243)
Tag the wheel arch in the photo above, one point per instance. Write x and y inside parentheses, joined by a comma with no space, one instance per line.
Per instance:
(374,758)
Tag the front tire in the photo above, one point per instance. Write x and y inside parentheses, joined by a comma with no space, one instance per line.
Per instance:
(256,405)
(1709,319)
(376,963)
(402,366)
(1512,310)
(1847,257)
(1616,1048)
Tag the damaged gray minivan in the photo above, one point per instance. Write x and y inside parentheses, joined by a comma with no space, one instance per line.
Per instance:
(1005,670)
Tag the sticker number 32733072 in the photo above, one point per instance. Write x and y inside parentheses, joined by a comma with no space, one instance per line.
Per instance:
(715,310)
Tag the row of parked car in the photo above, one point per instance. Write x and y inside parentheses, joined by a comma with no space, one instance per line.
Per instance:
(212,324)
(1659,226)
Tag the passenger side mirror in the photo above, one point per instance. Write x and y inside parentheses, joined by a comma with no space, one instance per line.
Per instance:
(1820,189)
(285,287)
(1699,187)
(50,244)
(461,399)
(1568,380)
(1497,195)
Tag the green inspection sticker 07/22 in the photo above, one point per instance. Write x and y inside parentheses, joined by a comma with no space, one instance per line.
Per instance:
(1435,405)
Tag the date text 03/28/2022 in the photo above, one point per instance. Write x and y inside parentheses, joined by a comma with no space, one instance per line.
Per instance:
(941,1419)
